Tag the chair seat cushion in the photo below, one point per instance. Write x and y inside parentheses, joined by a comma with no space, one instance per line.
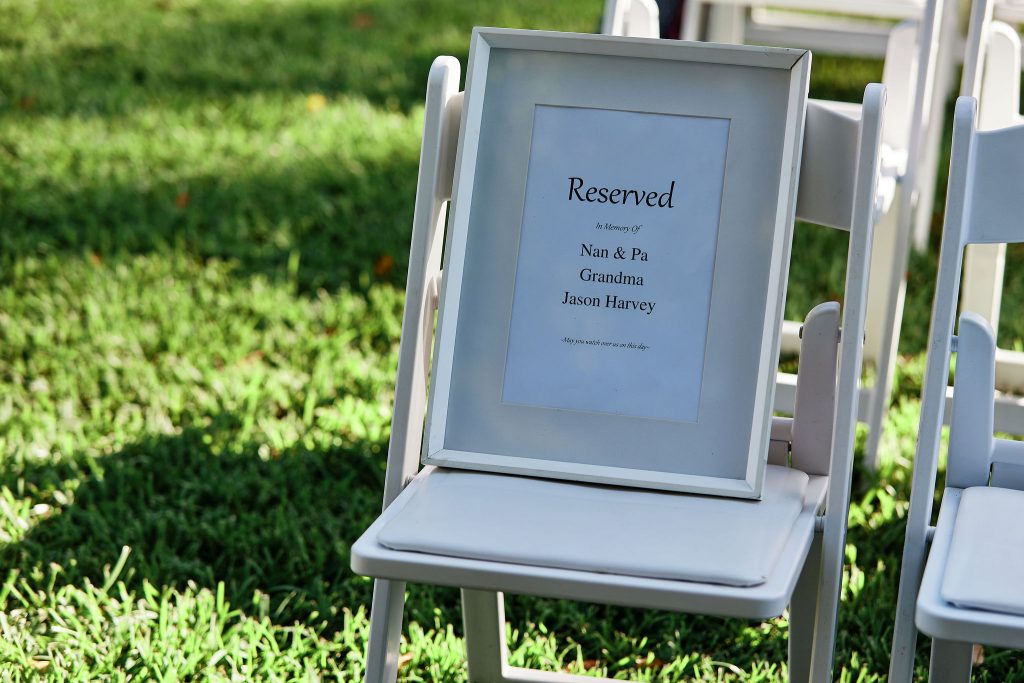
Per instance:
(985,566)
(603,529)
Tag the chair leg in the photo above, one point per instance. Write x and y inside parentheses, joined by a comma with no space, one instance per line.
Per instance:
(886,289)
(803,610)
(726,24)
(385,631)
(882,390)
(951,661)
(483,620)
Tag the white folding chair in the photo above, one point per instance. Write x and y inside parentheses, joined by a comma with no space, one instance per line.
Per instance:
(970,591)
(909,161)
(832,26)
(1010,11)
(856,28)
(635,19)
(992,68)
(810,458)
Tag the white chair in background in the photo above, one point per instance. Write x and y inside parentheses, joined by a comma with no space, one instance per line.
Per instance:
(967,588)
(1010,11)
(635,19)
(810,458)
(909,160)
(992,69)
(847,27)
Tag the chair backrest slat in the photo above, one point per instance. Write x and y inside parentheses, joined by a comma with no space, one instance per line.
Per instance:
(1008,464)
(1000,94)
(984,204)
(996,192)
(971,423)
(827,169)
(816,390)
(899,75)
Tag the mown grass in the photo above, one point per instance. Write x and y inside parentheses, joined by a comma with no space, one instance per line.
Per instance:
(204,214)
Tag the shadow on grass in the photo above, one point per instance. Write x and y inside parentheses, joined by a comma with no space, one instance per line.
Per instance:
(340,220)
(334,221)
(281,523)
(257,520)
(179,53)
(343,220)
(174,52)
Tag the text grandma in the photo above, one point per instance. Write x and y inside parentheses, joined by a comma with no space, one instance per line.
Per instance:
(605,195)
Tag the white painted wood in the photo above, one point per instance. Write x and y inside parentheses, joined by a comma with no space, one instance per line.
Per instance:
(945,621)
(498,518)
(692,18)
(781,438)
(984,188)
(970,432)
(984,266)
(814,416)
(826,191)
(414,348)
(982,569)
(424,267)
(886,294)
(642,21)
(630,18)
(889,9)
(1008,464)
(992,64)
(1010,11)
(997,202)
(483,621)
(992,73)
(946,53)
(999,104)
(900,75)
(848,23)
(950,662)
(385,631)
(893,253)
(483,614)
(1009,375)
(725,24)
(933,393)
(1009,407)
(850,358)
(969,569)
(803,612)
(770,26)
(768,599)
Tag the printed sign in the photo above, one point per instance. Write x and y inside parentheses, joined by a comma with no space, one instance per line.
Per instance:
(616,260)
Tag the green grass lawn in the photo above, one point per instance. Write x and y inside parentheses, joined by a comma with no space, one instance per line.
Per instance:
(204,217)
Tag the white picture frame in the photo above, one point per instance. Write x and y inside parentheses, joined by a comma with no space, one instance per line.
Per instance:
(719,444)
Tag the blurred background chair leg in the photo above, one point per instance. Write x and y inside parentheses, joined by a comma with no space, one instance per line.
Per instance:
(951,661)
(483,620)
(385,631)
(803,611)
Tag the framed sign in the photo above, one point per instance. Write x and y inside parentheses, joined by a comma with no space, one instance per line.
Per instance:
(616,260)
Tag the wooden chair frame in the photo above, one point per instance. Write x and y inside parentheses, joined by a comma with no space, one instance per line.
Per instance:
(992,68)
(842,155)
(984,206)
